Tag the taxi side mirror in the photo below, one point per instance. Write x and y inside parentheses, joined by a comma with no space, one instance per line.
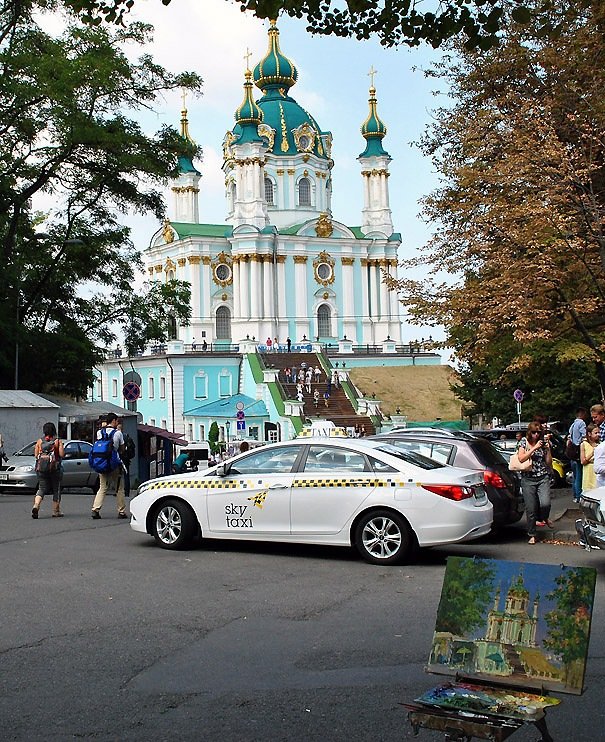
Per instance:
(221,470)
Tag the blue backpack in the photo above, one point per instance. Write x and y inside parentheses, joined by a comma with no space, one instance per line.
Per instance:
(103,457)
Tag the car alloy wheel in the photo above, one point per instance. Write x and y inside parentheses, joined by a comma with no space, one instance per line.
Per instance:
(383,537)
(174,525)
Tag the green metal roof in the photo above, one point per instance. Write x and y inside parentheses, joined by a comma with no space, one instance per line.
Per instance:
(184,229)
(225,408)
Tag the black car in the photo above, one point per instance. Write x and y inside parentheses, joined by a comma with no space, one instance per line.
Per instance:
(457,448)
(502,435)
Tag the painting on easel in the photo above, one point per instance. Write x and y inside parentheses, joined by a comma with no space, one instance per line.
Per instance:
(516,624)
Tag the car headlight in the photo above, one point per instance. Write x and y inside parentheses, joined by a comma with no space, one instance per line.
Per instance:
(27,467)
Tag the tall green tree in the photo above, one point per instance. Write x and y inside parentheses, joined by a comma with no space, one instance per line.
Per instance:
(466,595)
(213,434)
(411,22)
(551,386)
(67,136)
(569,622)
(519,217)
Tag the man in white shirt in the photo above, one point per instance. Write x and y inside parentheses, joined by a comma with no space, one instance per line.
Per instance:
(115,478)
(599,464)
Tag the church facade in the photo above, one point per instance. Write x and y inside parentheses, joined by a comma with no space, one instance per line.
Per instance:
(281,266)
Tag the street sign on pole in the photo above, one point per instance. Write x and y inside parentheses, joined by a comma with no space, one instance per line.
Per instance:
(131,391)
(240,415)
(518,395)
(241,425)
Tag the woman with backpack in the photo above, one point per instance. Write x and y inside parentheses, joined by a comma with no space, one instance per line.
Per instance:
(48,452)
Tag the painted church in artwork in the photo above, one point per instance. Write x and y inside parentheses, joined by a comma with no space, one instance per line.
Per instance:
(281,265)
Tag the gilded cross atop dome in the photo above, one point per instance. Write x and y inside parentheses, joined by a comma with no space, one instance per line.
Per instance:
(371,74)
(184,120)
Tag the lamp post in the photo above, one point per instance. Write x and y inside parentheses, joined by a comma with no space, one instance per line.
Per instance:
(227,427)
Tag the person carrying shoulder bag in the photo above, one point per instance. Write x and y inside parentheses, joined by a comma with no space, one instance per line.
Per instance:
(48,452)
(535,482)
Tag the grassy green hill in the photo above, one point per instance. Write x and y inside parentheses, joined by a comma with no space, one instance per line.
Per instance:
(421,392)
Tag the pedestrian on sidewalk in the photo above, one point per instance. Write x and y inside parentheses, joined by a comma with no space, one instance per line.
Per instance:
(289,344)
(288,374)
(48,452)
(597,413)
(308,377)
(327,398)
(317,374)
(535,482)
(577,433)
(114,478)
(599,463)
(316,398)
(587,449)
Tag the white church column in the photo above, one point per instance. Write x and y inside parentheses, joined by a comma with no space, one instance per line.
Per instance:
(363,302)
(302,310)
(348,294)
(267,287)
(395,326)
(194,278)
(244,292)
(237,311)
(206,276)
(281,296)
(255,287)
(385,307)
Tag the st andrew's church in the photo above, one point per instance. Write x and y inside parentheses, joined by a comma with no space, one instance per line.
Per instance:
(282,266)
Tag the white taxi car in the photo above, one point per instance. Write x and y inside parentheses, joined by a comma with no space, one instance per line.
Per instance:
(348,492)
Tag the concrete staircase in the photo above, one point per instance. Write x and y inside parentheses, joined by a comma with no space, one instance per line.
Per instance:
(339,409)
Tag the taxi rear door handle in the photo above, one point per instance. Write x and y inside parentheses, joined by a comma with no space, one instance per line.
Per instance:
(278,486)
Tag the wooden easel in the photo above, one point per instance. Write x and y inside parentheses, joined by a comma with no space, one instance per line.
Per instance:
(506,657)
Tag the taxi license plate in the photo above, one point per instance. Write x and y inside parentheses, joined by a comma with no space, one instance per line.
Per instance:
(480,494)
(3,477)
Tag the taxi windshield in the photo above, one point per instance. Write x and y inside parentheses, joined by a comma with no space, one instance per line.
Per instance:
(410,457)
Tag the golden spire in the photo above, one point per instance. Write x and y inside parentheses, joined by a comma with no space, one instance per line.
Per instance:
(184,121)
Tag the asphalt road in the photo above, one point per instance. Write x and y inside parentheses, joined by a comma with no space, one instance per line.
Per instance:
(105,636)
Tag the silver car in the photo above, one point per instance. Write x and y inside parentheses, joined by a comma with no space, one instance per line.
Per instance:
(18,474)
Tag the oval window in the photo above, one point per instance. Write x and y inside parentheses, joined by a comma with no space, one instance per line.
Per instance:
(222,272)
(324,271)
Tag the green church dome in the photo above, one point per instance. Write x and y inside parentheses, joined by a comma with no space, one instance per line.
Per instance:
(275,69)
(248,116)
(186,161)
(285,126)
(373,129)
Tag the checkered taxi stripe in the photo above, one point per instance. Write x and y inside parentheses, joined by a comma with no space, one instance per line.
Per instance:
(221,484)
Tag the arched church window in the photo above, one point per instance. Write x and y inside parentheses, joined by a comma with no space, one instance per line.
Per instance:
(223,323)
(233,195)
(324,321)
(269,192)
(304,192)
(171,275)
